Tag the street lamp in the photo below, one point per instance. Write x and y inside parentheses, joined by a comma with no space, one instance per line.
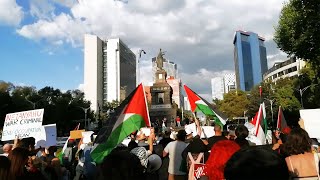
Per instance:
(138,63)
(271,103)
(85,110)
(301,91)
(34,103)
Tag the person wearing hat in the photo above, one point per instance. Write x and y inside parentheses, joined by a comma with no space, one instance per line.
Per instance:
(174,150)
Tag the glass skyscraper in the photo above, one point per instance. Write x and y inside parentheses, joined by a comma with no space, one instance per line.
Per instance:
(250,59)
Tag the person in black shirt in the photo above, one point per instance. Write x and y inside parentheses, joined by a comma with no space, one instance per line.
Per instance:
(242,133)
(217,136)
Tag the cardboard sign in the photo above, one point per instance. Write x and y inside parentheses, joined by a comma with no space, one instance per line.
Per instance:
(22,124)
(76,134)
(311,121)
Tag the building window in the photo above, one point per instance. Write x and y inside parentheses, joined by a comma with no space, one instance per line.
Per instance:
(160,98)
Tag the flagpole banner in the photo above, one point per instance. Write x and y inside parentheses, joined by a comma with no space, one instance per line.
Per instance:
(22,124)
(311,121)
(198,104)
(130,116)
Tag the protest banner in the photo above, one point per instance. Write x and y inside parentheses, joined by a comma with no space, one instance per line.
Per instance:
(22,124)
(47,137)
(311,121)
(76,134)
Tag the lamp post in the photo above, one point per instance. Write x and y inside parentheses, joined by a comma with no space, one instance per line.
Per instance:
(34,103)
(85,110)
(271,104)
(138,65)
(301,91)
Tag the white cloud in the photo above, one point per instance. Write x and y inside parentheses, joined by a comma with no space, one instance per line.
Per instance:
(10,13)
(196,34)
(41,9)
(81,87)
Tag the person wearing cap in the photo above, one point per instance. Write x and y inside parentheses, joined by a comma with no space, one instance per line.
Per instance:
(174,150)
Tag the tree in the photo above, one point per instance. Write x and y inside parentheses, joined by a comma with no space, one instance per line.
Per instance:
(311,95)
(298,31)
(234,104)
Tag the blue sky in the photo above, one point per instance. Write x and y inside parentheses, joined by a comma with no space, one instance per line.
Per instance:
(42,40)
(27,62)
(35,63)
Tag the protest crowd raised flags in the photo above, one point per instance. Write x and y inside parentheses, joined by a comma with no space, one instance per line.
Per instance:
(127,147)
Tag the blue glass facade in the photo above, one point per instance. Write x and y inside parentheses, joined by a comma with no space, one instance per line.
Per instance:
(250,59)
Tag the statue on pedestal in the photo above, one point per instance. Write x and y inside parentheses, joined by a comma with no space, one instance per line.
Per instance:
(160,59)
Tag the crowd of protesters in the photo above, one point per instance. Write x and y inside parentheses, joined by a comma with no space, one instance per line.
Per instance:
(168,153)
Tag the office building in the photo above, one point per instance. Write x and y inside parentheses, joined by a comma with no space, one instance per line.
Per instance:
(109,70)
(186,104)
(176,86)
(222,85)
(229,81)
(217,87)
(169,67)
(288,68)
(250,59)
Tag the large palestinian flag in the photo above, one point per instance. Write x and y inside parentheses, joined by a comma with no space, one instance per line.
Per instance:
(130,116)
(197,103)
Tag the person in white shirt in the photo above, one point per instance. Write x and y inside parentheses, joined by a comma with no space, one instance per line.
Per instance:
(175,149)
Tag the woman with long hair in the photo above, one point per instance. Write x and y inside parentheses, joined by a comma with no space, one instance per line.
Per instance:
(4,167)
(301,162)
(19,158)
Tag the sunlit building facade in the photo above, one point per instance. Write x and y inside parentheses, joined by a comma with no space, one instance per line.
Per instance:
(250,58)
(109,70)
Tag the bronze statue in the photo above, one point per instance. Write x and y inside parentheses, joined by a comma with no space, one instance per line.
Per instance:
(160,59)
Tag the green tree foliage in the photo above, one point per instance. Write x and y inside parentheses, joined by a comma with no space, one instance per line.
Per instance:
(298,31)
(233,104)
(62,108)
(311,95)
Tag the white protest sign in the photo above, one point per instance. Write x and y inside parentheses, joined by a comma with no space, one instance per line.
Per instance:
(22,124)
(47,137)
(311,121)
(145,131)
(86,136)
(208,130)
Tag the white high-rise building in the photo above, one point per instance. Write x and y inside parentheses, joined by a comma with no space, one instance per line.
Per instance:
(222,85)
(186,104)
(109,70)
(217,86)
(229,82)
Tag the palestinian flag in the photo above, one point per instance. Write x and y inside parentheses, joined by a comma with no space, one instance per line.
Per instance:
(259,122)
(130,116)
(281,122)
(60,152)
(197,104)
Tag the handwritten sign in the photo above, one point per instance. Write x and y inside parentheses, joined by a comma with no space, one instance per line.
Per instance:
(22,124)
